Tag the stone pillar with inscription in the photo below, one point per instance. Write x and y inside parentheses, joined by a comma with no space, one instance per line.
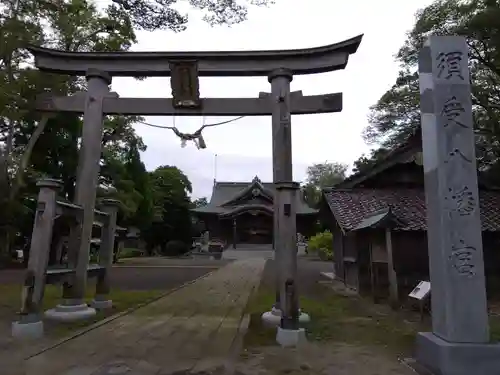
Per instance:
(459,343)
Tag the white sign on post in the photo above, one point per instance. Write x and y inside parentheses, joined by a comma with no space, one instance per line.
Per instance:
(421,291)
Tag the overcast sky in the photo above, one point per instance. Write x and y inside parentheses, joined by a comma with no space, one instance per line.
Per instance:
(243,147)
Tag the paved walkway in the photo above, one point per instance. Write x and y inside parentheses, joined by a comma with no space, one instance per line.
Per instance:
(190,329)
(247,254)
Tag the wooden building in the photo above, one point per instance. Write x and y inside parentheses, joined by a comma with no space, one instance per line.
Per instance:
(242,213)
(378,221)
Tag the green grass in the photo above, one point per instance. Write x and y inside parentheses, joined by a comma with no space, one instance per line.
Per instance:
(122,300)
(350,320)
(130,253)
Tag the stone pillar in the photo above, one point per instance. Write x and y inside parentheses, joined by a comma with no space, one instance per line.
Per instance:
(288,260)
(73,306)
(284,209)
(108,231)
(458,344)
(281,140)
(30,324)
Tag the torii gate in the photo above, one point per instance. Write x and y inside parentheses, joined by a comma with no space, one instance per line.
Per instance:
(185,68)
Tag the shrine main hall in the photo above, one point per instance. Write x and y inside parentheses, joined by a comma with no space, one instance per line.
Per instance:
(242,213)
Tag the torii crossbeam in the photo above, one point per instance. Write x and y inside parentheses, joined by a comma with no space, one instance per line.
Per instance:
(262,106)
(184,70)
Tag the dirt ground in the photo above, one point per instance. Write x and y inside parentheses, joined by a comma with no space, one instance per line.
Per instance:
(345,337)
(318,359)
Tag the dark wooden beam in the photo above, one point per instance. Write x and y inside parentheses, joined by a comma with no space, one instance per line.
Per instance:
(263,106)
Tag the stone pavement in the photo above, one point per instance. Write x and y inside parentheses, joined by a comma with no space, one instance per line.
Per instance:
(248,251)
(190,330)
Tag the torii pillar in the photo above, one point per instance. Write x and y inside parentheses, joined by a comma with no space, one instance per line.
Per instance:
(289,332)
(74,306)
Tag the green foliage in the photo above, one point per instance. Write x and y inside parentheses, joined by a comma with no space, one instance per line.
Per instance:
(130,253)
(162,14)
(364,163)
(320,176)
(397,114)
(200,202)
(322,243)
(171,204)
(157,203)
(28,148)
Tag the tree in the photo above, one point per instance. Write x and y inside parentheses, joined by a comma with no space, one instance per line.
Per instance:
(161,14)
(364,163)
(30,146)
(170,188)
(200,202)
(396,115)
(320,176)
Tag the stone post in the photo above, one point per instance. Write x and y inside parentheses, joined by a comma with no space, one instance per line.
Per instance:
(458,344)
(30,324)
(288,259)
(284,207)
(282,148)
(73,306)
(108,231)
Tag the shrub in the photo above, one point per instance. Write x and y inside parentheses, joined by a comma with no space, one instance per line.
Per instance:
(130,253)
(175,248)
(322,243)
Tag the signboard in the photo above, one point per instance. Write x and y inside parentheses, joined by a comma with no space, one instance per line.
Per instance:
(421,291)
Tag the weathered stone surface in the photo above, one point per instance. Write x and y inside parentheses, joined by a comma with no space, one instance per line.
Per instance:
(459,343)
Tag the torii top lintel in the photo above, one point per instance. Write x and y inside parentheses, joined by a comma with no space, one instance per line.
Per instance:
(210,63)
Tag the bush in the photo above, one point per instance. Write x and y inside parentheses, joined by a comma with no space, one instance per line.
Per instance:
(128,253)
(322,244)
(175,248)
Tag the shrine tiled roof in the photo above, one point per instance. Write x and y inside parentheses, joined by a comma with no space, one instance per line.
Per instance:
(224,192)
(352,207)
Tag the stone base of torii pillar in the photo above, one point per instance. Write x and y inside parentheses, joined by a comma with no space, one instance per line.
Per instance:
(273,318)
(27,330)
(70,313)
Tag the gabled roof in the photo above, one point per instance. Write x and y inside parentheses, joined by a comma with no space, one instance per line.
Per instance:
(255,187)
(248,207)
(357,208)
(409,152)
(226,194)
(355,205)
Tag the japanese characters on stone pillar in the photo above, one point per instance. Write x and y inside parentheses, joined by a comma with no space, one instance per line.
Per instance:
(459,307)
